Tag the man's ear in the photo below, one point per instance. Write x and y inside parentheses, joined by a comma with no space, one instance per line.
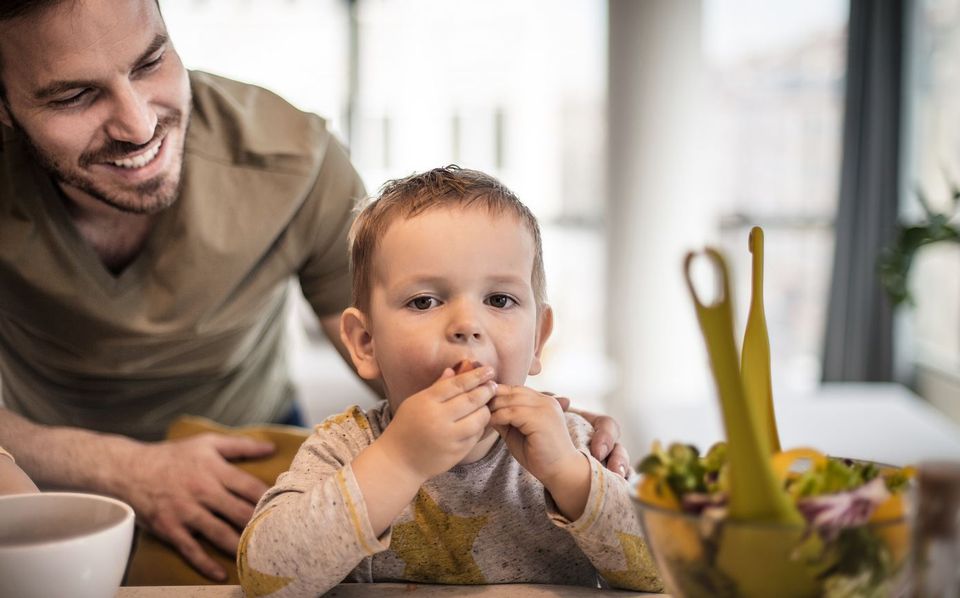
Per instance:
(544,328)
(355,334)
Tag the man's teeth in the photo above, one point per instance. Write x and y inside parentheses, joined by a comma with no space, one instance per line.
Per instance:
(138,161)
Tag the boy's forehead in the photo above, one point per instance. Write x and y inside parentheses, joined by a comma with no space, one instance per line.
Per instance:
(442,233)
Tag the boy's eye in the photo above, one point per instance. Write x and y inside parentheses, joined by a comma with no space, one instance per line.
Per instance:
(422,303)
(500,301)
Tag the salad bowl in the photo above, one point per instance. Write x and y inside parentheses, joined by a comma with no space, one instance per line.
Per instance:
(852,542)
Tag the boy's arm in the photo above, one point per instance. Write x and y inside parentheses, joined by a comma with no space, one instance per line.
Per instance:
(608,530)
(534,427)
(311,529)
(344,489)
(583,497)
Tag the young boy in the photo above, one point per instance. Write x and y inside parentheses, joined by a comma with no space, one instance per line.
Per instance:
(463,476)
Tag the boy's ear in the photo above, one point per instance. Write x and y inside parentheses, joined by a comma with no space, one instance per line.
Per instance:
(355,334)
(544,328)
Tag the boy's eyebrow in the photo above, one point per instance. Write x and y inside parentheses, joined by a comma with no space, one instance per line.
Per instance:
(510,279)
(57,87)
(434,280)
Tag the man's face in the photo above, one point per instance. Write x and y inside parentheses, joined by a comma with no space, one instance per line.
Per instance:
(454,284)
(102,98)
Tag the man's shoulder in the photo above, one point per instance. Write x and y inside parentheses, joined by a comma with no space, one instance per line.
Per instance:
(247,125)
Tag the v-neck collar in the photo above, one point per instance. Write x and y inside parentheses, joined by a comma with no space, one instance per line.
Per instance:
(87,260)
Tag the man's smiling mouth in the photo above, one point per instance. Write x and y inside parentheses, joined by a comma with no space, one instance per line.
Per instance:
(141,160)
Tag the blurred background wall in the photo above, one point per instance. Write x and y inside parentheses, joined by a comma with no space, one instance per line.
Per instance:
(635,130)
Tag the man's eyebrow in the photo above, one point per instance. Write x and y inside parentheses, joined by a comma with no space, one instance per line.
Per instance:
(58,87)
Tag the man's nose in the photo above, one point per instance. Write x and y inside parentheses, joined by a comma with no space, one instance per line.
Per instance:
(131,120)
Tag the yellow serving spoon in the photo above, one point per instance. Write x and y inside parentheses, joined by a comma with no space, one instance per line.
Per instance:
(755,556)
(755,356)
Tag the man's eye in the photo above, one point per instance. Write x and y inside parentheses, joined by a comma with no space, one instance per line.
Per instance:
(74,100)
(422,303)
(500,301)
(149,66)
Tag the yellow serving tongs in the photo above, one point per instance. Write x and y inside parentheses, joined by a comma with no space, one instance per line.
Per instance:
(755,356)
(756,496)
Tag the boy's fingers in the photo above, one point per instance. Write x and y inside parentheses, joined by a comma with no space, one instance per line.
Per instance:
(466,403)
(474,424)
(564,401)
(451,387)
(519,399)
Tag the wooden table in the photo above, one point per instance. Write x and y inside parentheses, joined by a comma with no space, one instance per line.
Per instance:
(391,590)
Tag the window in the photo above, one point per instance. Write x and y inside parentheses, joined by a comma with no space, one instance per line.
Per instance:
(776,72)
(931,164)
(516,89)
(296,48)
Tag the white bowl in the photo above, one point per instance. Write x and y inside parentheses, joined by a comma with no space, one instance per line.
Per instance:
(63,544)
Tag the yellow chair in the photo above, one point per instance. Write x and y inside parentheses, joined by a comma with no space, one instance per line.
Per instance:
(156,563)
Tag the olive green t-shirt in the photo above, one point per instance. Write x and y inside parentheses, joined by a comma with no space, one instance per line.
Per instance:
(195,324)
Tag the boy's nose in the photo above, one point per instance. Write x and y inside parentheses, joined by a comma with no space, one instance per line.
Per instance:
(464,327)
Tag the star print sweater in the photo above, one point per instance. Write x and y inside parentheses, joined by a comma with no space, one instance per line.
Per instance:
(481,523)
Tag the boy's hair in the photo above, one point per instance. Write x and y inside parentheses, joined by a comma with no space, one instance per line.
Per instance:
(449,186)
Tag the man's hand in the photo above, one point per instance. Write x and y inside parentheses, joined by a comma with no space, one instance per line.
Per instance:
(187,487)
(603,445)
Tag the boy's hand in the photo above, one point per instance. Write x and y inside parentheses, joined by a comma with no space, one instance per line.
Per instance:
(603,444)
(535,430)
(434,429)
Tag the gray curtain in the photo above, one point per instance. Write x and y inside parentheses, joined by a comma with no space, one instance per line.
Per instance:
(858,345)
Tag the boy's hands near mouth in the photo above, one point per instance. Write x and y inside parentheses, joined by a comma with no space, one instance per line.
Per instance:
(535,430)
(431,431)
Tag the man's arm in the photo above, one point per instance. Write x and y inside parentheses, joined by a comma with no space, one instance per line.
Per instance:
(13,480)
(177,489)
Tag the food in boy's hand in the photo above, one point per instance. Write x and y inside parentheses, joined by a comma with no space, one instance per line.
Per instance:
(854,537)
(465,365)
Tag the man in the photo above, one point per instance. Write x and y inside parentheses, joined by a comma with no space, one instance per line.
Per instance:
(150,219)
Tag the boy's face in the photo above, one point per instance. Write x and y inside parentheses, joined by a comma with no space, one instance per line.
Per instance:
(452,284)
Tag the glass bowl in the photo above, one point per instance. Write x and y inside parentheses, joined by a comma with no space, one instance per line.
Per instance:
(703,555)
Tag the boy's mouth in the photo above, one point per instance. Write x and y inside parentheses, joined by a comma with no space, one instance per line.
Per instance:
(465,365)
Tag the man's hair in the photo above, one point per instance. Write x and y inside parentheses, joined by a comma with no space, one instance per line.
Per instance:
(11,9)
(14,9)
(449,186)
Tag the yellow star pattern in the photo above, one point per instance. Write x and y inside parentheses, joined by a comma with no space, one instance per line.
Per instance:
(254,582)
(641,573)
(339,419)
(436,546)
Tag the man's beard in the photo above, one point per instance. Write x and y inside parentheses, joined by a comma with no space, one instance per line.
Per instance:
(148,197)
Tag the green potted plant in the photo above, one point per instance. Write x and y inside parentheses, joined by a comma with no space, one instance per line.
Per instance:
(895,261)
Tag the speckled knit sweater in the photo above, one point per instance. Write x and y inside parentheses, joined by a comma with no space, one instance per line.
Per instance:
(485,522)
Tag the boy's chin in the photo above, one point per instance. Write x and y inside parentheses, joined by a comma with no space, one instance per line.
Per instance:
(482,447)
